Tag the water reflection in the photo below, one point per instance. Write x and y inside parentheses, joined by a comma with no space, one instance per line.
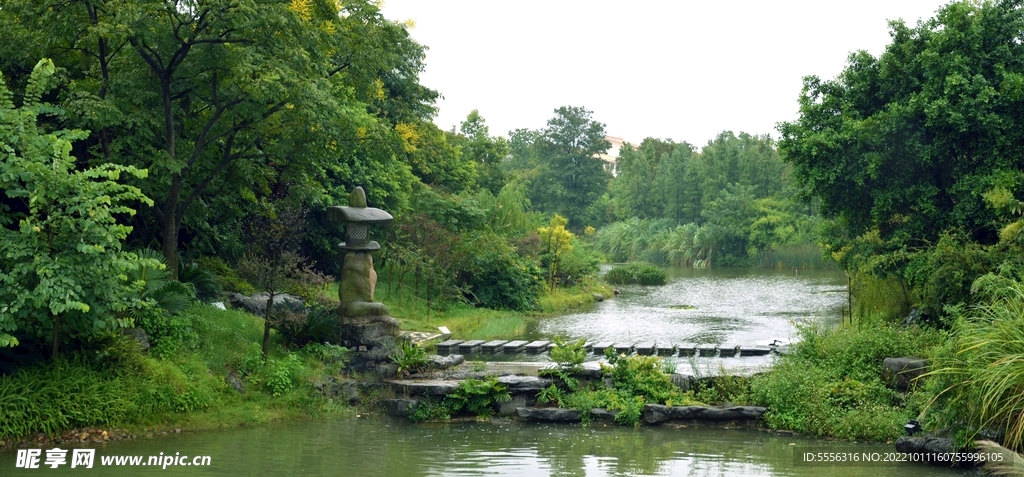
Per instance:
(382,448)
(719,306)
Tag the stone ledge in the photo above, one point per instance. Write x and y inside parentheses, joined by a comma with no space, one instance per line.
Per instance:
(656,413)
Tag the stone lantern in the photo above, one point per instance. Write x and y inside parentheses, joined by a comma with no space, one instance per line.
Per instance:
(358,278)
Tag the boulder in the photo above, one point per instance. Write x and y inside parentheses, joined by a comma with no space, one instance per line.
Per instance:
(518,401)
(940,450)
(399,407)
(681,381)
(445,362)
(598,297)
(139,335)
(524,384)
(602,415)
(902,372)
(424,388)
(345,390)
(232,380)
(369,331)
(655,413)
(257,304)
(549,414)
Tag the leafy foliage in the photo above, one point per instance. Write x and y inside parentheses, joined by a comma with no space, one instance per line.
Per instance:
(868,143)
(279,377)
(301,328)
(409,358)
(568,177)
(831,384)
(61,263)
(476,396)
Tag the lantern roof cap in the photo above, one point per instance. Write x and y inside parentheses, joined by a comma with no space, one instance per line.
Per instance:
(357,211)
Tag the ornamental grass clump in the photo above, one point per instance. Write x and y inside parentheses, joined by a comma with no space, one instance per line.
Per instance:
(636,273)
(978,377)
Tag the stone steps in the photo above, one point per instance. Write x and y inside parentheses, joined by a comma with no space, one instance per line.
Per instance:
(682,350)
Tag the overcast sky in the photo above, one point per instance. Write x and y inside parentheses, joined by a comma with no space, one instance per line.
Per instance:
(684,70)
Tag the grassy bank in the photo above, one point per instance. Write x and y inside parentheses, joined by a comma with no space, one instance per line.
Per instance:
(179,384)
(831,385)
(467,322)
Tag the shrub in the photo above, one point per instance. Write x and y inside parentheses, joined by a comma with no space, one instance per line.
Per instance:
(298,327)
(281,376)
(409,358)
(831,385)
(569,355)
(476,396)
(636,273)
(496,275)
(226,275)
(62,267)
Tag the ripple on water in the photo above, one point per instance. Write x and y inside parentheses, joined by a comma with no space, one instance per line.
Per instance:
(719,306)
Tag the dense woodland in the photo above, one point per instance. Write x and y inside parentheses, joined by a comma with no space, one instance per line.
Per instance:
(211,135)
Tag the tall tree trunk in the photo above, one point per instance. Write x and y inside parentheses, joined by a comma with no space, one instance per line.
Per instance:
(266,326)
(169,237)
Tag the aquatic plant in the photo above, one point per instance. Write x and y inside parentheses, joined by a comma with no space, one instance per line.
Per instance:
(636,273)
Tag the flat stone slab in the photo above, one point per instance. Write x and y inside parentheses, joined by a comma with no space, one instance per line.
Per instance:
(600,346)
(602,415)
(445,362)
(646,349)
(492,346)
(666,351)
(588,346)
(754,351)
(706,351)
(446,347)
(655,413)
(520,384)
(514,346)
(623,348)
(549,414)
(424,388)
(471,346)
(729,351)
(686,350)
(536,347)
(417,337)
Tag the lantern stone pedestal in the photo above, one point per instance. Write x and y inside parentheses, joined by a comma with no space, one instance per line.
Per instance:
(366,326)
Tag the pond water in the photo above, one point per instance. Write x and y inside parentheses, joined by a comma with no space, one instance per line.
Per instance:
(385,447)
(726,306)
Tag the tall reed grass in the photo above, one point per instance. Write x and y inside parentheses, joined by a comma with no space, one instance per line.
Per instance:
(807,255)
(979,375)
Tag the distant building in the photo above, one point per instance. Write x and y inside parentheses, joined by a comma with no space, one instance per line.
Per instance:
(613,153)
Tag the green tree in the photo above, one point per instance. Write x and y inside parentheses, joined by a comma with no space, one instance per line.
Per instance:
(231,99)
(557,243)
(486,151)
(62,269)
(571,177)
(905,144)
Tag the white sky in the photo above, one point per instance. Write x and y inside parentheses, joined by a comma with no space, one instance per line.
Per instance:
(678,69)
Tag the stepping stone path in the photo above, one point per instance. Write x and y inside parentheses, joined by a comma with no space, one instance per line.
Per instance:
(682,350)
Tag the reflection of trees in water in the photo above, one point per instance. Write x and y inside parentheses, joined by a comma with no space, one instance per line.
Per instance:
(385,447)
